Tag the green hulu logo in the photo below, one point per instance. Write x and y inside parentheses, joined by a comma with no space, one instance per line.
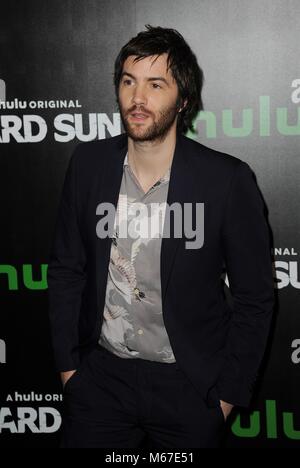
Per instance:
(261,118)
(12,276)
(271,424)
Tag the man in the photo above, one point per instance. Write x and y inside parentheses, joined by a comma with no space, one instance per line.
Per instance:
(146,343)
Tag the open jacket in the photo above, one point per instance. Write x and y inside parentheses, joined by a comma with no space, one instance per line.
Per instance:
(219,347)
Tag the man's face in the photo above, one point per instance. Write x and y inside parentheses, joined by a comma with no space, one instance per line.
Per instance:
(148,97)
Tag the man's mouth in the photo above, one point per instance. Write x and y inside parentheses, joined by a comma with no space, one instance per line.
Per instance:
(138,116)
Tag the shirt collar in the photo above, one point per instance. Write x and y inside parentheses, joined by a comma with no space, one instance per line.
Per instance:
(164,178)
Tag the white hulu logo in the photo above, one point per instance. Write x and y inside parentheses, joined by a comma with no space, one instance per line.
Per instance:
(2,91)
(2,352)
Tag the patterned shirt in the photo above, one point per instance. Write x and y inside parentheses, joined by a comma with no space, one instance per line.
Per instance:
(133,324)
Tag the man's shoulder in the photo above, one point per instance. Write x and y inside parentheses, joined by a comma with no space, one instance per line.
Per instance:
(95,148)
(212,158)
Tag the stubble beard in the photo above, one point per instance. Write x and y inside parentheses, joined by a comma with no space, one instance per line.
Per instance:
(157,130)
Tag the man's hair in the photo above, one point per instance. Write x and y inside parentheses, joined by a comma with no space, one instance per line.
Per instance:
(181,60)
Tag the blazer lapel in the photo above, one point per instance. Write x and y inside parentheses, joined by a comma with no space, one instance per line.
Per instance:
(181,185)
(108,192)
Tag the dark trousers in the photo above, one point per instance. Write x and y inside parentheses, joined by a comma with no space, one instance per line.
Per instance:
(135,403)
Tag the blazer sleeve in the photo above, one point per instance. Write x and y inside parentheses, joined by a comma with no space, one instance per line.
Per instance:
(247,252)
(66,274)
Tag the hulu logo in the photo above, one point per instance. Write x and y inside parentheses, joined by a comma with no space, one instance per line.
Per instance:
(11,274)
(271,420)
(262,119)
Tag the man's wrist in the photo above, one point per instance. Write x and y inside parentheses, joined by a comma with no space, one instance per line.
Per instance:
(65,376)
(226,408)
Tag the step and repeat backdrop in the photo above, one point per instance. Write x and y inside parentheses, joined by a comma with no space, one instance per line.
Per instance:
(56,90)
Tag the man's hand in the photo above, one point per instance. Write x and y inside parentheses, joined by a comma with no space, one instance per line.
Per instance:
(226,408)
(65,376)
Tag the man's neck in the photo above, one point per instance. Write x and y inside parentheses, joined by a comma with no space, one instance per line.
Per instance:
(150,160)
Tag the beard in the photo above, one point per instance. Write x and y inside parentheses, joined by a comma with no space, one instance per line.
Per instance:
(157,130)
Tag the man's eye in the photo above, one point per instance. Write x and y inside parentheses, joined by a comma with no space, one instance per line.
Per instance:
(155,85)
(127,81)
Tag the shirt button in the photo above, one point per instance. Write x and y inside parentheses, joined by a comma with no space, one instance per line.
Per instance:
(140,331)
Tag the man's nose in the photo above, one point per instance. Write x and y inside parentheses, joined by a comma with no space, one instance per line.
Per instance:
(139,96)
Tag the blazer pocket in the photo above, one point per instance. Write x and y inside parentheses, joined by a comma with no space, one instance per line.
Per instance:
(212,399)
(70,381)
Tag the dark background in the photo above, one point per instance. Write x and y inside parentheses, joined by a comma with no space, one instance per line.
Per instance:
(66,50)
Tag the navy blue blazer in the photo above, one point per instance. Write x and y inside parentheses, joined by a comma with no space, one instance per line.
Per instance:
(218,346)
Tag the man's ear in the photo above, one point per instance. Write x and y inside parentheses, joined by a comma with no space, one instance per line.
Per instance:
(184,104)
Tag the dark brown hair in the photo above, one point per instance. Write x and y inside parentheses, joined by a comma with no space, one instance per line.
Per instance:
(181,60)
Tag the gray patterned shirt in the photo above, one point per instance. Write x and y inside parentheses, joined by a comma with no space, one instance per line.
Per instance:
(133,323)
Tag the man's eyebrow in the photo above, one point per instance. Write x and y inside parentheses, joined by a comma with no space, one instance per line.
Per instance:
(152,78)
